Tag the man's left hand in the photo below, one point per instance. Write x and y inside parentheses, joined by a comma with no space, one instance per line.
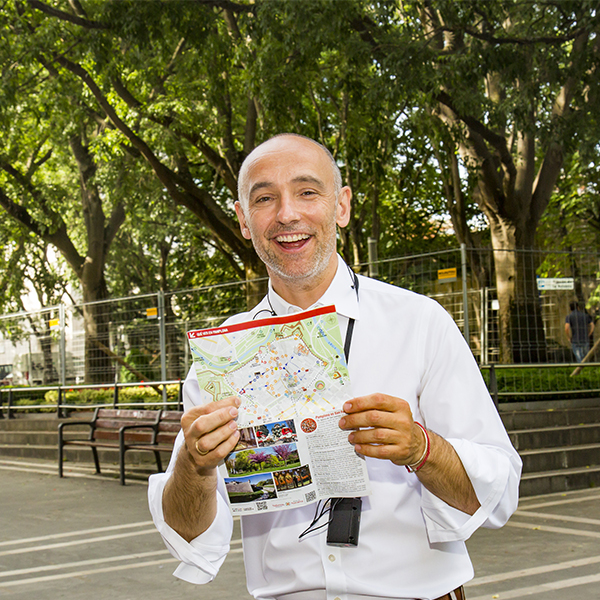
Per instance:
(382,426)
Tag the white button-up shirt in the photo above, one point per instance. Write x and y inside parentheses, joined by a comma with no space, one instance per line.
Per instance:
(411,543)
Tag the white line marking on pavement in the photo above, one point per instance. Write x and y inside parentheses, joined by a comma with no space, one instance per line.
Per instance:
(72,474)
(571,564)
(528,513)
(95,571)
(560,502)
(83,563)
(565,530)
(56,536)
(540,589)
(151,563)
(104,538)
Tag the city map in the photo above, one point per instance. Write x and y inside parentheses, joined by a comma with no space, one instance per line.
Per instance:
(281,367)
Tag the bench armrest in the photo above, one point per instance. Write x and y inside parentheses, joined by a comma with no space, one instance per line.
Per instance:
(61,426)
(152,426)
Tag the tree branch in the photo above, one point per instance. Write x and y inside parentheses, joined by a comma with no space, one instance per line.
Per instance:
(58,238)
(65,16)
(553,159)
(184,192)
(495,140)
(519,41)
(235,7)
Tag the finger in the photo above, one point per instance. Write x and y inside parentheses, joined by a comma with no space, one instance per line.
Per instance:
(215,429)
(401,447)
(379,436)
(206,424)
(190,415)
(215,446)
(382,451)
(377,401)
(399,420)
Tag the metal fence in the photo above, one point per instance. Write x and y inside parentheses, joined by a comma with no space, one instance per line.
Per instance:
(142,338)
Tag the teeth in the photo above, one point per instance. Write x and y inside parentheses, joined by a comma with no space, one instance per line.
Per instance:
(296,237)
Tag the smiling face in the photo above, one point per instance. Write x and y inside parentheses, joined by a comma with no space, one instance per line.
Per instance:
(289,209)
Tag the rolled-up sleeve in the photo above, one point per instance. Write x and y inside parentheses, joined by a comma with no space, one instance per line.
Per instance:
(200,559)
(455,403)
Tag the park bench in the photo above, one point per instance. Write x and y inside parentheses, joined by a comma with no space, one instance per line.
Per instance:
(143,430)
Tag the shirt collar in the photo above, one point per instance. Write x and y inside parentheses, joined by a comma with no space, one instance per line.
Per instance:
(340,292)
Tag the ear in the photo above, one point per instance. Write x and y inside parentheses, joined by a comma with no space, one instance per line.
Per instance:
(239,211)
(342,215)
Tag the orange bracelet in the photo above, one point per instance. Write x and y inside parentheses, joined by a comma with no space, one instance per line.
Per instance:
(416,466)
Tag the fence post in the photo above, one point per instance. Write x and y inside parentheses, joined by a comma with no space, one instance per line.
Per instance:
(62,345)
(180,396)
(463,268)
(9,414)
(493,385)
(485,315)
(373,258)
(58,403)
(163,343)
(116,389)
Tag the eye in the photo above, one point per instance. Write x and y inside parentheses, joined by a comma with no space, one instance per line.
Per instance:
(261,199)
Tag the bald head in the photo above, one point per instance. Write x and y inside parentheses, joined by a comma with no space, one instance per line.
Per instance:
(279,142)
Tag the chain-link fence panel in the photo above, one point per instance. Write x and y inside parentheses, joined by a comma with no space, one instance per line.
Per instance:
(116,340)
(30,348)
(513,307)
(197,309)
(526,300)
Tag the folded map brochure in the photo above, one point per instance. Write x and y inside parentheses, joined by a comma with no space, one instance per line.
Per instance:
(291,376)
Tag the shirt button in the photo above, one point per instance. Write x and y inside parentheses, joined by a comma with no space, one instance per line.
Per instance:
(332,559)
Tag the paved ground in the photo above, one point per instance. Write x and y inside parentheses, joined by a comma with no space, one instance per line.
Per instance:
(87,537)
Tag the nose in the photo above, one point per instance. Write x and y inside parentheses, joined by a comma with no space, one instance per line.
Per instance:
(287,209)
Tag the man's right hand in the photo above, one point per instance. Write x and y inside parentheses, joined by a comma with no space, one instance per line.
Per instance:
(190,494)
(211,432)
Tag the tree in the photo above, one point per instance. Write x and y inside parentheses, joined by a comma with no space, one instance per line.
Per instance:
(511,83)
(165,83)
(283,452)
(259,458)
(27,267)
(30,193)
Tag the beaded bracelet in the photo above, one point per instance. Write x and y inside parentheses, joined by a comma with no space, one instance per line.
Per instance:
(416,466)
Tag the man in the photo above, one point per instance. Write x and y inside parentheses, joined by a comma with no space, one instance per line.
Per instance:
(579,326)
(412,374)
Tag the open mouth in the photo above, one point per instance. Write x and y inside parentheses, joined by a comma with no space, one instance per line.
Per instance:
(292,240)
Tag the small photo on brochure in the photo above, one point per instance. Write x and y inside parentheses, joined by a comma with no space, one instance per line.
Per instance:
(262,460)
(247,439)
(250,489)
(292,479)
(273,434)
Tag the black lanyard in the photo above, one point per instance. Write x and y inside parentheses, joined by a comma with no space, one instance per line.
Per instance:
(350,329)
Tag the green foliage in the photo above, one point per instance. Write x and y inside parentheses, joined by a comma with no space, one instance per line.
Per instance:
(168,99)
(145,395)
(544,384)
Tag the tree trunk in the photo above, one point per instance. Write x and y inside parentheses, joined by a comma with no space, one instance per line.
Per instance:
(522,336)
(99,367)
(256,284)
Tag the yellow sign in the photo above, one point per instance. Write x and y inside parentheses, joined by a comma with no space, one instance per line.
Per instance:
(447,274)
(52,323)
(152,313)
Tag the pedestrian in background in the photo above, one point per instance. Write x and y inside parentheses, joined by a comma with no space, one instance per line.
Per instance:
(579,326)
